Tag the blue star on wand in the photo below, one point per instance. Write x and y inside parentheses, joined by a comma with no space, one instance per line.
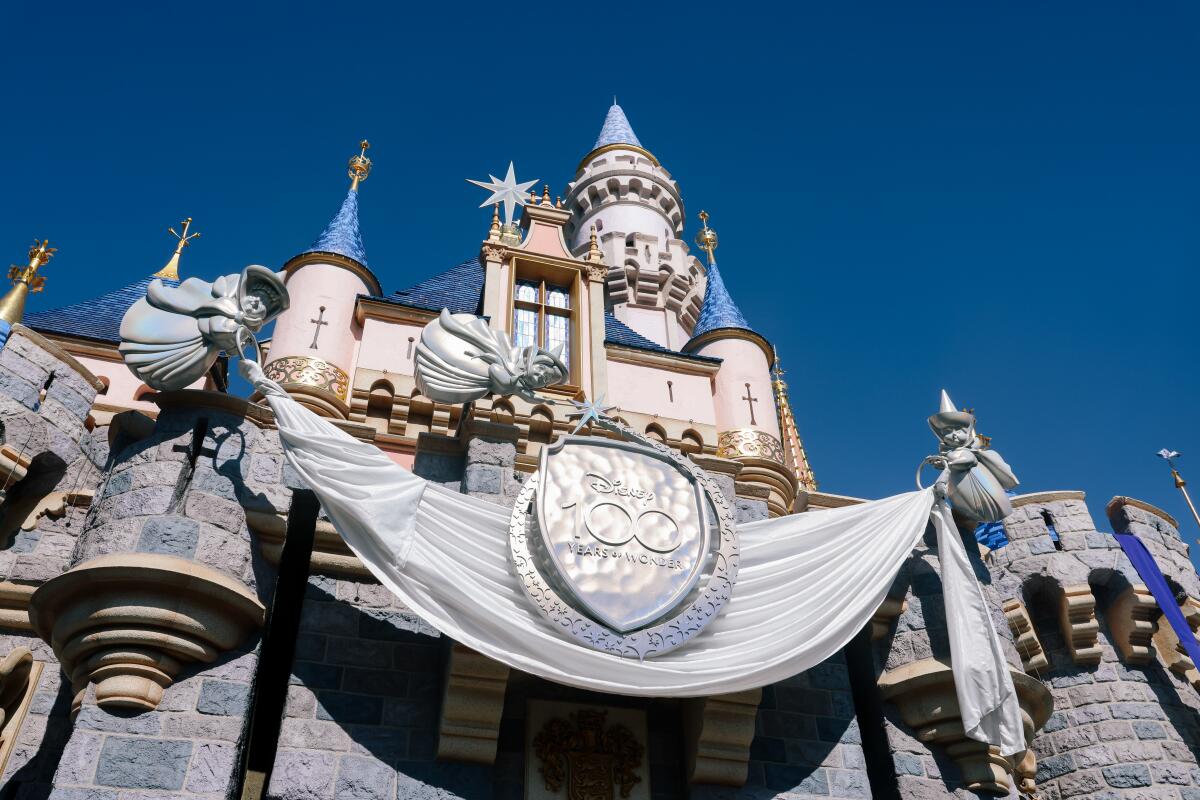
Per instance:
(588,411)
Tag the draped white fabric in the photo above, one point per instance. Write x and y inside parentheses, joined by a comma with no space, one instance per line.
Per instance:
(807,583)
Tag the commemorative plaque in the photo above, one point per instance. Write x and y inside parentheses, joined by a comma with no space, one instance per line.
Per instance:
(625,545)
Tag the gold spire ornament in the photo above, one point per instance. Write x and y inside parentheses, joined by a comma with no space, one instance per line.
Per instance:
(25,280)
(793,447)
(170,270)
(1169,456)
(706,239)
(360,166)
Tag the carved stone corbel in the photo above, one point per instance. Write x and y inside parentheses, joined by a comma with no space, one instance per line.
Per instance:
(1131,619)
(14,465)
(330,554)
(718,730)
(923,692)
(1172,650)
(19,675)
(128,622)
(888,612)
(1077,616)
(1033,656)
(14,605)
(472,706)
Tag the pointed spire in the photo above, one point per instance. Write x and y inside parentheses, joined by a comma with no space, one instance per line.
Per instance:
(719,310)
(793,447)
(342,237)
(947,403)
(616,129)
(25,281)
(170,270)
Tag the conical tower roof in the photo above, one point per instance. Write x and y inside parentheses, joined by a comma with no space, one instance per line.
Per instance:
(342,236)
(98,318)
(616,130)
(719,310)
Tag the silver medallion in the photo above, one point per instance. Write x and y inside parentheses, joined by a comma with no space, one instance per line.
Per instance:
(625,545)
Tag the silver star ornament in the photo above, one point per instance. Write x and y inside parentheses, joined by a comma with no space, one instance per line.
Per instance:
(507,191)
(588,411)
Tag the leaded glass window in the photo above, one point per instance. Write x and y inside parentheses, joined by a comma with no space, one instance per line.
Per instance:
(542,316)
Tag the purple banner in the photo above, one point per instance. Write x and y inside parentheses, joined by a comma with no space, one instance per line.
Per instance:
(1152,576)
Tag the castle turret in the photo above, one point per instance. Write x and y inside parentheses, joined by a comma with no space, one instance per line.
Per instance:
(622,191)
(743,391)
(312,349)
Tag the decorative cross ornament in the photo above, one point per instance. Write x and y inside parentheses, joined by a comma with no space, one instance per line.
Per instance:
(750,401)
(318,322)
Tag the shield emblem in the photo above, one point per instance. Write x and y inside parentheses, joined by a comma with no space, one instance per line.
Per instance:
(623,531)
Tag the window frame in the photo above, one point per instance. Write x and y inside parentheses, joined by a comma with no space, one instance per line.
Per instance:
(552,277)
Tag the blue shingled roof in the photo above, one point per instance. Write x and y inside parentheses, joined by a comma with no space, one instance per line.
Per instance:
(460,289)
(616,130)
(719,310)
(342,236)
(98,318)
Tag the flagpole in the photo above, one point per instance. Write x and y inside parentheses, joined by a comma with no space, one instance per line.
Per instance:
(1169,456)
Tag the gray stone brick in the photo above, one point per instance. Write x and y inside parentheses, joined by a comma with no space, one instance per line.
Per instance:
(213,768)
(18,389)
(143,763)
(215,510)
(203,726)
(79,757)
(848,783)
(223,698)
(80,793)
(119,482)
(1053,767)
(302,775)
(908,764)
(1149,730)
(23,368)
(364,779)
(1136,711)
(1126,776)
(173,536)
(482,479)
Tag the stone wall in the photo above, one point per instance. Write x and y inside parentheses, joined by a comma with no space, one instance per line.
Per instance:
(51,463)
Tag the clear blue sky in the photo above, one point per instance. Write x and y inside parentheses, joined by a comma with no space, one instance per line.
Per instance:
(998,199)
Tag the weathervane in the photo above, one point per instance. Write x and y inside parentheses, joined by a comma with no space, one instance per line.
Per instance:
(1169,456)
(507,191)
(171,269)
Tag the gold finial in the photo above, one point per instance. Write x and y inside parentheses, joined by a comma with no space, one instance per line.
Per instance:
(494,228)
(546,194)
(360,166)
(171,269)
(25,280)
(595,255)
(706,239)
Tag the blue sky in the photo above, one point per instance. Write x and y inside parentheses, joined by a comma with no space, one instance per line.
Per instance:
(998,199)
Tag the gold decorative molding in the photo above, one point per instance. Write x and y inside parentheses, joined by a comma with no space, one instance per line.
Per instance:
(472,706)
(749,442)
(1033,656)
(19,676)
(923,692)
(718,731)
(1131,621)
(337,260)
(330,556)
(314,373)
(1077,617)
(128,623)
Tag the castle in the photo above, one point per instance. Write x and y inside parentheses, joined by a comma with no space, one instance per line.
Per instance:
(178,621)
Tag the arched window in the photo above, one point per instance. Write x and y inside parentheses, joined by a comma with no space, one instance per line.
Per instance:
(655,431)
(541,425)
(379,405)
(691,442)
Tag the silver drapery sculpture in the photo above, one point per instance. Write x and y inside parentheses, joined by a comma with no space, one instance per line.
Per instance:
(172,336)
(460,358)
(974,479)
